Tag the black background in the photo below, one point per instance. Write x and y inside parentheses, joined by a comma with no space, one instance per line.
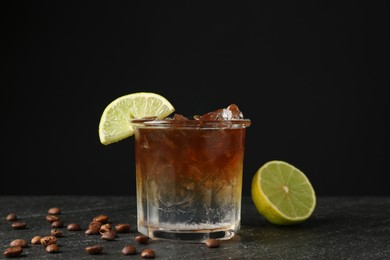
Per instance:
(312,76)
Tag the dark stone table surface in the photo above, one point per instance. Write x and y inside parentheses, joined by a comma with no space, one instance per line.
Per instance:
(340,228)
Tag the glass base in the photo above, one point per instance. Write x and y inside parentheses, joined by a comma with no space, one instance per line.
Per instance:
(198,236)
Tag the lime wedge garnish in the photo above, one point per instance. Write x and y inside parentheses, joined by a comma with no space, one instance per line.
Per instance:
(115,123)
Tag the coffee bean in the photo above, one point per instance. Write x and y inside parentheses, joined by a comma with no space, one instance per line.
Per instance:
(36,240)
(19,242)
(123,228)
(93,228)
(212,243)
(52,218)
(129,250)
(13,251)
(101,218)
(52,248)
(147,253)
(48,240)
(56,233)
(94,224)
(19,225)
(109,235)
(104,228)
(57,224)
(94,250)
(92,231)
(54,211)
(142,239)
(73,227)
(11,217)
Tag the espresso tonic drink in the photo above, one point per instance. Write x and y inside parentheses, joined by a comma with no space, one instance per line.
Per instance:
(189,175)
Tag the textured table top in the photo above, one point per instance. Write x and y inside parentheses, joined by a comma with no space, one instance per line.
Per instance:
(340,228)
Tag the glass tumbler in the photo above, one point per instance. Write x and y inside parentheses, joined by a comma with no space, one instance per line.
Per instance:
(189,178)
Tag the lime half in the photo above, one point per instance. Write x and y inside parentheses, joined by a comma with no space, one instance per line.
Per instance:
(115,122)
(282,193)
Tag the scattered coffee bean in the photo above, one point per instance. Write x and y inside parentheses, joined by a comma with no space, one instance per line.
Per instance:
(212,243)
(54,211)
(19,242)
(73,227)
(147,253)
(48,240)
(19,225)
(52,248)
(92,231)
(57,224)
(94,224)
(142,239)
(109,235)
(93,228)
(129,250)
(13,251)
(94,250)
(123,228)
(56,233)
(36,240)
(11,217)
(101,218)
(52,218)
(104,228)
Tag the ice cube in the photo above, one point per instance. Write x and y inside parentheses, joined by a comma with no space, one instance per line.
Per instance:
(230,113)
(179,117)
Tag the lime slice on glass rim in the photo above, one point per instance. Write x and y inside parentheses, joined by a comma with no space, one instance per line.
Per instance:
(282,193)
(115,122)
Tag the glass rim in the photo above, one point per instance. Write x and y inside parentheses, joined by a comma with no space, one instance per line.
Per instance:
(191,123)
